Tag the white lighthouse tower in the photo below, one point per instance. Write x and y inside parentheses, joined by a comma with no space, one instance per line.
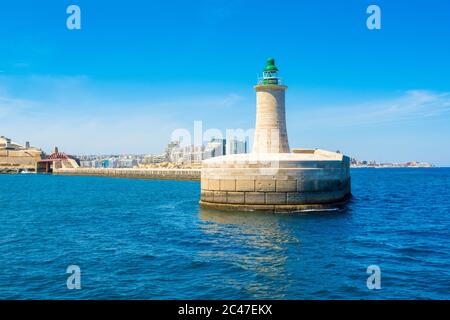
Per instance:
(270,129)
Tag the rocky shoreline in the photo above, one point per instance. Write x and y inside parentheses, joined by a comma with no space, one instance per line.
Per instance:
(12,170)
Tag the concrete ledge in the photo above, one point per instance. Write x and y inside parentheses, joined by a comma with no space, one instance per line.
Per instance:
(255,198)
(220,196)
(304,184)
(235,197)
(207,195)
(276,208)
(286,185)
(316,197)
(153,174)
(276,198)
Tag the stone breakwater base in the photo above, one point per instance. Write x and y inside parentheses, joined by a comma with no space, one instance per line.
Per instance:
(154,174)
(285,182)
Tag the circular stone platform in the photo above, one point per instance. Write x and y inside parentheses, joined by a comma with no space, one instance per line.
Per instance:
(281,182)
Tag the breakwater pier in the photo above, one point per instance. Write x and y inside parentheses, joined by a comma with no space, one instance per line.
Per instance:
(274,177)
(155,174)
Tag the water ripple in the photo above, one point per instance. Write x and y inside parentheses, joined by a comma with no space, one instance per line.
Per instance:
(141,239)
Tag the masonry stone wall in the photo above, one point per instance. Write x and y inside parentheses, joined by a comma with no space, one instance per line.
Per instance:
(156,174)
(19,158)
(240,181)
(270,130)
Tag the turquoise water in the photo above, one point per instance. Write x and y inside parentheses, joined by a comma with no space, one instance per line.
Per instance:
(144,239)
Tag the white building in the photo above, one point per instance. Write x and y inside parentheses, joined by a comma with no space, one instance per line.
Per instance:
(215,148)
(126,163)
(235,146)
(172,149)
(192,154)
(155,158)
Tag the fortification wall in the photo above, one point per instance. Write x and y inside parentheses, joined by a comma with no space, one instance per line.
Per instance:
(155,174)
(19,158)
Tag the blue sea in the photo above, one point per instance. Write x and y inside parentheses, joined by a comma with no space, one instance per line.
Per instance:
(148,239)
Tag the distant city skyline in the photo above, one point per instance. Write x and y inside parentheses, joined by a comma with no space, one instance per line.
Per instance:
(129,78)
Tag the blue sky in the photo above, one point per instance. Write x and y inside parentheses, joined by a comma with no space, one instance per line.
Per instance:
(137,70)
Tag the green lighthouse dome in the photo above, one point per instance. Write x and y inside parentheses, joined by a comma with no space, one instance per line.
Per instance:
(270,65)
(270,73)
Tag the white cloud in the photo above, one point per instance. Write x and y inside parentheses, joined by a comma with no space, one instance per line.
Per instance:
(411,106)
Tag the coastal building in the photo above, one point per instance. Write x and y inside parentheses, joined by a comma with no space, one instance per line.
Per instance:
(273,177)
(176,154)
(128,162)
(236,146)
(355,163)
(57,160)
(155,158)
(106,163)
(195,154)
(17,157)
(87,164)
(214,148)
(171,151)
(192,154)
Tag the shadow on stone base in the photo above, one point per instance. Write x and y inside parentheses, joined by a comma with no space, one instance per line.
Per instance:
(277,208)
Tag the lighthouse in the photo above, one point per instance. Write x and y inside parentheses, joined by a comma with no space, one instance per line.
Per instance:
(274,177)
(270,129)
